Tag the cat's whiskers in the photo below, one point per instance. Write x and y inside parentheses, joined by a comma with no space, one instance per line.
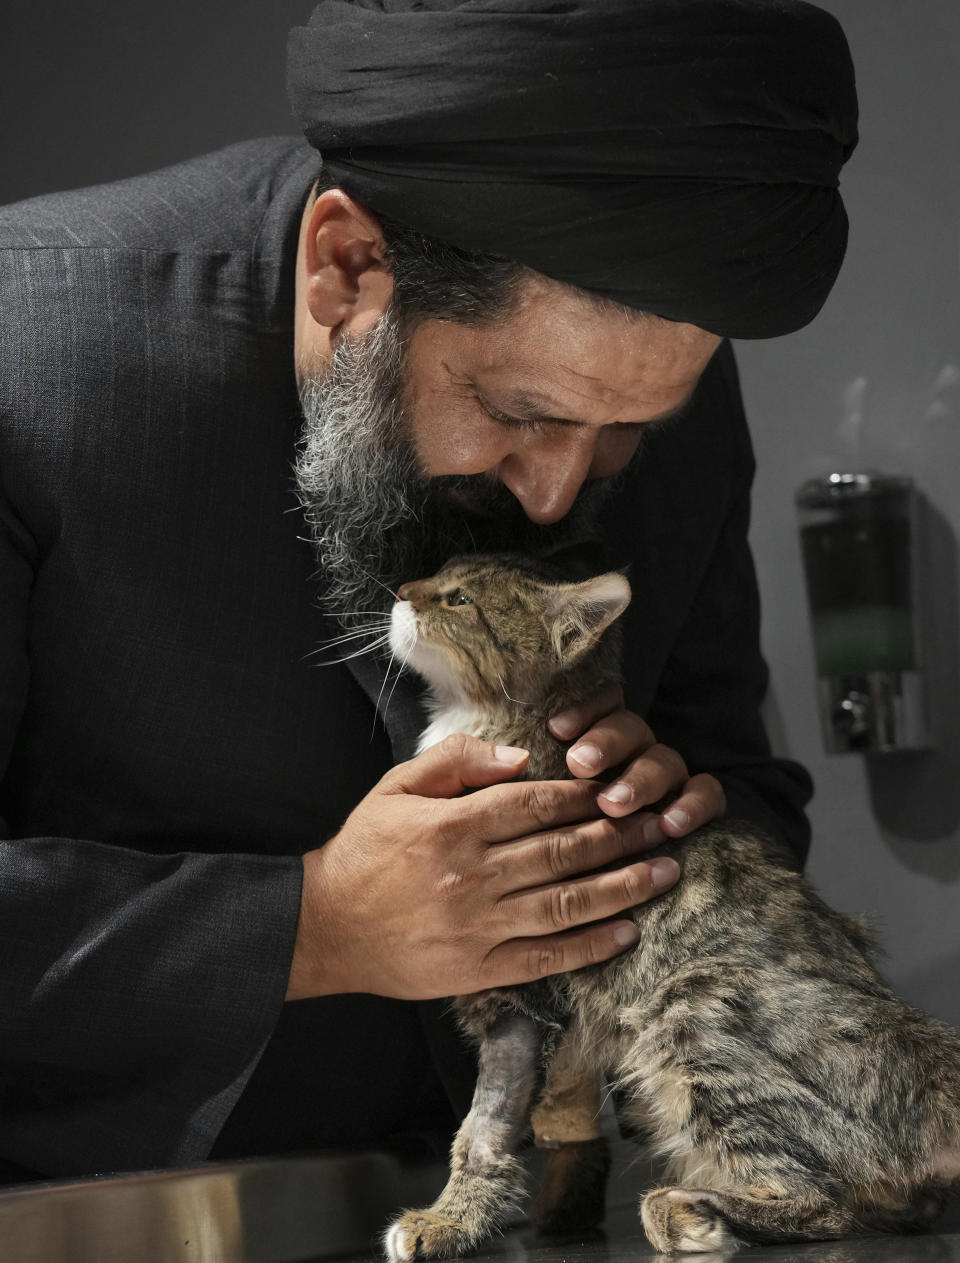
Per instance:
(356,633)
(466,525)
(359,653)
(379,582)
(396,681)
(515,700)
(379,631)
(378,613)
(386,676)
(376,710)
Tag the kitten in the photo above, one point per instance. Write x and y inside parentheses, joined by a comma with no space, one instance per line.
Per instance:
(747,1033)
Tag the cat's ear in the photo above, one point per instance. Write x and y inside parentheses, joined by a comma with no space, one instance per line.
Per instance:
(577,614)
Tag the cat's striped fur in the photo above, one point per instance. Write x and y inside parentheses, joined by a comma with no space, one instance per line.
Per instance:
(748,1034)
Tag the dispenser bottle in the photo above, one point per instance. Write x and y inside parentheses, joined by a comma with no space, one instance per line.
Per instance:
(859,535)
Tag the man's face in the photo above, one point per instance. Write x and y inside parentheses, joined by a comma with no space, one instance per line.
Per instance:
(454,438)
(554,395)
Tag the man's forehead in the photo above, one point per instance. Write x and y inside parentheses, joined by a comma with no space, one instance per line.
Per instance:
(577,335)
(587,379)
(531,405)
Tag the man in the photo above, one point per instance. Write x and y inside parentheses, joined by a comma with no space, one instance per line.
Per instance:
(535,224)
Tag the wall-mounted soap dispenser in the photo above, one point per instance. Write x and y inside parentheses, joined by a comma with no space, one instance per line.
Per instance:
(859,536)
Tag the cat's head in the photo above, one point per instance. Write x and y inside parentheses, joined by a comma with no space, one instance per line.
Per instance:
(485,626)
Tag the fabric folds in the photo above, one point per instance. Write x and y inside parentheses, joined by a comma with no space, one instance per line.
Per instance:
(681,158)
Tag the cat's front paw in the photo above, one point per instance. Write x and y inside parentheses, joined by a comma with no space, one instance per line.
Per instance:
(685,1220)
(423,1234)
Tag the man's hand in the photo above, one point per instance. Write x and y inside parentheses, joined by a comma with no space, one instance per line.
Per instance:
(423,893)
(610,736)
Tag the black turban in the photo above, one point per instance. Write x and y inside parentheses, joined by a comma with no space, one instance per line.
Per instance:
(678,156)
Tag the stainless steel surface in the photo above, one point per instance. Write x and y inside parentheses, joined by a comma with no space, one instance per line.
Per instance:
(294,1210)
(260,1211)
(877,712)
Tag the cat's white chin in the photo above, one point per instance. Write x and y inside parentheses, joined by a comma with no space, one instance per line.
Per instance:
(403,630)
(412,651)
(450,711)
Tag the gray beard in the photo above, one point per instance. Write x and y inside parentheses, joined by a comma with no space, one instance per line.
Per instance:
(375,519)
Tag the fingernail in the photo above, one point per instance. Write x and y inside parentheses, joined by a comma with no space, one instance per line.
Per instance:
(563,724)
(619,794)
(653,835)
(509,754)
(677,818)
(587,755)
(663,872)
(625,933)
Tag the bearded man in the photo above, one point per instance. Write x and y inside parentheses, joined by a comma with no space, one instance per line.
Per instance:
(231,900)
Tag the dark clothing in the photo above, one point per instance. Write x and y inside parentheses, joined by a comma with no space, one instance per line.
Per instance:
(168,749)
(681,158)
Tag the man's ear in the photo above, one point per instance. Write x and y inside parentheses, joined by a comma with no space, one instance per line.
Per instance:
(578,614)
(346,278)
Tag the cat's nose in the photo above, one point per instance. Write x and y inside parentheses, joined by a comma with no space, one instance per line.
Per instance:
(416,588)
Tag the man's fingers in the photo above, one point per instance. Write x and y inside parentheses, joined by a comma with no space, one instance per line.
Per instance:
(497,812)
(564,905)
(620,735)
(502,813)
(568,724)
(702,800)
(659,771)
(566,852)
(457,763)
(527,959)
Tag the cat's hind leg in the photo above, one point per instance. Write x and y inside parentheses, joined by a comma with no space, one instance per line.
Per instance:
(486,1180)
(566,1124)
(698,1221)
(572,1196)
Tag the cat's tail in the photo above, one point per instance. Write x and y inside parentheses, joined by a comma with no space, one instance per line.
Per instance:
(686,1220)
(697,1221)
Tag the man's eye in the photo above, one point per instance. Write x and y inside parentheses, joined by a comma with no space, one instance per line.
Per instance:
(530,424)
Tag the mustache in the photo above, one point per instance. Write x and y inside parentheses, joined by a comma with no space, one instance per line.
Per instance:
(480,495)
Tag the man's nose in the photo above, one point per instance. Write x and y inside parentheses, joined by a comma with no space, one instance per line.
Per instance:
(546,484)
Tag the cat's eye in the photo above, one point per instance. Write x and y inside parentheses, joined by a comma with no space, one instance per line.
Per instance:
(456,597)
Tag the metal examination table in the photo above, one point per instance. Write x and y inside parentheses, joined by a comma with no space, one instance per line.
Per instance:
(296,1209)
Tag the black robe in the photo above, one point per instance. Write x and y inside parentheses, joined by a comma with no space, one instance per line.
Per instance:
(168,748)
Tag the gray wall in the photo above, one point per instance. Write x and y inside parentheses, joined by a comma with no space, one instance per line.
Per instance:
(99,90)
(875,381)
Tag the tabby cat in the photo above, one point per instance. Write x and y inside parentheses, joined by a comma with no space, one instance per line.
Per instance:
(747,1034)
